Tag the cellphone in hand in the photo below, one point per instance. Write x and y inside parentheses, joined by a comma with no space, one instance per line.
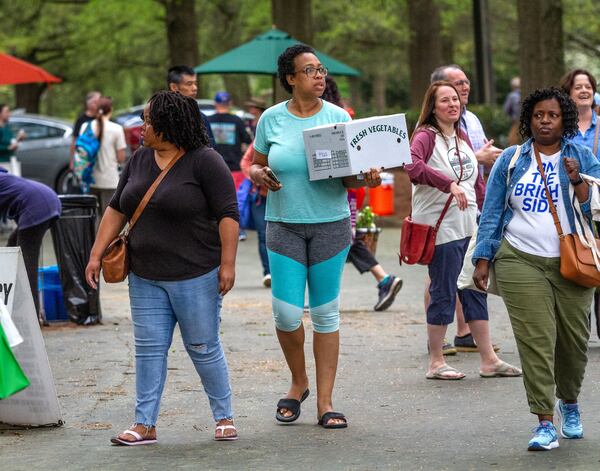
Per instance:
(272,176)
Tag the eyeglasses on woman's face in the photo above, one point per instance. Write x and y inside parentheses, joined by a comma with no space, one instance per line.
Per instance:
(312,72)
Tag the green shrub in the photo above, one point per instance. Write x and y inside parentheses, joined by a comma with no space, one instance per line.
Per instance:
(495,123)
(365,219)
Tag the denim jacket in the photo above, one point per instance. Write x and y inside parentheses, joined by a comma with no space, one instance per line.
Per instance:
(497,213)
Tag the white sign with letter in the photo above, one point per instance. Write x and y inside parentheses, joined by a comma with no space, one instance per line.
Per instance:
(37,404)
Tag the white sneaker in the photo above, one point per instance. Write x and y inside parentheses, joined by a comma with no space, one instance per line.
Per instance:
(267,281)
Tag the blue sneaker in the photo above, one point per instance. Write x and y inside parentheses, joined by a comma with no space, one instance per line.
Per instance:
(570,420)
(544,437)
(388,289)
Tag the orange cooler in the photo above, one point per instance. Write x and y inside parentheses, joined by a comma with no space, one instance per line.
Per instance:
(381,198)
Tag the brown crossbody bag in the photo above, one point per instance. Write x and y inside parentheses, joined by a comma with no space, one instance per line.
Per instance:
(578,262)
(115,262)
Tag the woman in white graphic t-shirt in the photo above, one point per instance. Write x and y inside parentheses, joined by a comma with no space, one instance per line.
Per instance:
(444,171)
(549,314)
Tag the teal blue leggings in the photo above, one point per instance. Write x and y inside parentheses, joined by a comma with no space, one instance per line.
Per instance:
(313,254)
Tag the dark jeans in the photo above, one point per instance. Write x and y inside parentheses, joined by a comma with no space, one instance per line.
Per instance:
(30,241)
(258,215)
(443,272)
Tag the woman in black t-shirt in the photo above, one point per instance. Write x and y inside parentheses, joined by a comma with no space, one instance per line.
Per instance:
(182,257)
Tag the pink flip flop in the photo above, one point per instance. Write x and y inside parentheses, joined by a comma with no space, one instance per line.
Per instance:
(139,440)
(224,438)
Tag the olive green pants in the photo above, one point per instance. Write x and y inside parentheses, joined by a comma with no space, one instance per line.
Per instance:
(549,317)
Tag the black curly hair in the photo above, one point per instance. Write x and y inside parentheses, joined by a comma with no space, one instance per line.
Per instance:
(567,108)
(177,119)
(285,63)
(331,92)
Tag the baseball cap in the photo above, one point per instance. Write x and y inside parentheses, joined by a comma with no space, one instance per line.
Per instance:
(222,97)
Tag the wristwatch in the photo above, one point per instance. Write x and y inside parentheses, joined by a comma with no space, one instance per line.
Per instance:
(579,181)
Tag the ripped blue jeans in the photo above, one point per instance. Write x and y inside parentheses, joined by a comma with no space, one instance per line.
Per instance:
(156,306)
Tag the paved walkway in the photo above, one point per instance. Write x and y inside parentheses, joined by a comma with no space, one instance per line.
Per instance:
(398,420)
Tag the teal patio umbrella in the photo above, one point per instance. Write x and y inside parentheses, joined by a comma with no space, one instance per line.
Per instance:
(259,56)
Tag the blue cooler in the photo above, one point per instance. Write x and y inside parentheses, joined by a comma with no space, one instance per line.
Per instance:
(51,289)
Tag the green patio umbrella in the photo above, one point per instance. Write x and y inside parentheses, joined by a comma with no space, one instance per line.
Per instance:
(259,56)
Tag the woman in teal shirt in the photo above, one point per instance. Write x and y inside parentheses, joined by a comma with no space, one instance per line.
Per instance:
(308,230)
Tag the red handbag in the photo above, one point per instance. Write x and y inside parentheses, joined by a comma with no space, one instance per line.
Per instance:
(417,241)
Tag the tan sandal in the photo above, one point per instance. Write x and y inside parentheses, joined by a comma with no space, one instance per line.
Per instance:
(503,370)
(445,372)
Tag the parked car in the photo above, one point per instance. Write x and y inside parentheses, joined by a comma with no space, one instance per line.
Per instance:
(132,124)
(44,154)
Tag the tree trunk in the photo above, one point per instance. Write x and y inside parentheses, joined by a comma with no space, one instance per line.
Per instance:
(447,48)
(486,90)
(294,17)
(239,88)
(541,54)
(181,32)
(425,49)
(28,96)
(379,80)
(356,99)
(227,23)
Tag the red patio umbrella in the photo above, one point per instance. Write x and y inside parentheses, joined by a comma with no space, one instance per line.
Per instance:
(13,70)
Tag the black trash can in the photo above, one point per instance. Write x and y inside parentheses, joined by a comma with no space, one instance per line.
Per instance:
(73,235)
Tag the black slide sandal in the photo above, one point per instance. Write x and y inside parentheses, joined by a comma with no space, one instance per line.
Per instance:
(327,416)
(293,405)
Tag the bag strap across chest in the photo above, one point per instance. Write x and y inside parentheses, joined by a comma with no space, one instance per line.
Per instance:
(596,137)
(151,190)
(548,196)
(449,201)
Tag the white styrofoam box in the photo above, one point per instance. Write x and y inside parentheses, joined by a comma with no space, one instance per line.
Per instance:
(342,149)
